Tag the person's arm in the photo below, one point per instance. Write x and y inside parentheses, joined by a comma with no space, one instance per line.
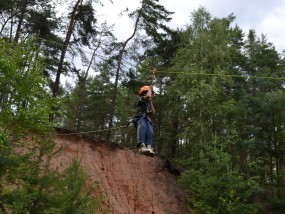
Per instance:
(149,92)
(149,97)
(152,110)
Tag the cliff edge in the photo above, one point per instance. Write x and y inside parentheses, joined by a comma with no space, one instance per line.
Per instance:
(131,182)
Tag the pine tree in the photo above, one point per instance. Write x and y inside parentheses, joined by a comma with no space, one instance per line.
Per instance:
(28,183)
(150,17)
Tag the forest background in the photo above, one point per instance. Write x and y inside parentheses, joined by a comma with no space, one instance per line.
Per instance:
(219,99)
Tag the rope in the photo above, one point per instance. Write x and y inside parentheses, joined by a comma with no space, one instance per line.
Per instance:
(73,133)
(222,75)
(180,72)
(88,132)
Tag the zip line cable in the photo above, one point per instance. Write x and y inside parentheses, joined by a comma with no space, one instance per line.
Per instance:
(198,73)
(202,74)
(222,75)
(75,133)
(180,72)
(94,131)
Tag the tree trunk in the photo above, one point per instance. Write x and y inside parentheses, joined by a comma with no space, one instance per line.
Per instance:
(19,27)
(63,52)
(174,132)
(64,48)
(113,102)
(276,154)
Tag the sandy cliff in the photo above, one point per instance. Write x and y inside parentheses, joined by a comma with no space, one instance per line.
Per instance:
(132,183)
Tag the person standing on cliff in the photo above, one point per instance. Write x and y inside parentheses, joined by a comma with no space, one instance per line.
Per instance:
(142,121)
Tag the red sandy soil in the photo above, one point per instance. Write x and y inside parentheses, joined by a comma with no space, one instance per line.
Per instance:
(131,183)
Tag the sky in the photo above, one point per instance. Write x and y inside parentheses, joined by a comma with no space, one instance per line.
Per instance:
(264,16)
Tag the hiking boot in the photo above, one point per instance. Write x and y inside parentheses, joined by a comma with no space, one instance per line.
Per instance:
(151,152)
(143,149)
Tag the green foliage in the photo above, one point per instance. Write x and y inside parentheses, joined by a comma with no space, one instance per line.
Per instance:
(276,205)
(75,197)
(208,83)
(24,99)
(85,26)
(216,187)
(28,183)
(244,111)
(85,106)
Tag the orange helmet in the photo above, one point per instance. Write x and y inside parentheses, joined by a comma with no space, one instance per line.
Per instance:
(143,89)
